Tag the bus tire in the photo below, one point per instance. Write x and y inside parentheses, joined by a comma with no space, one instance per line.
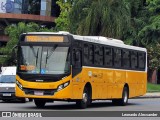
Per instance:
(30,99)
(83,103)
(124,100)
(39,103)
(23,100)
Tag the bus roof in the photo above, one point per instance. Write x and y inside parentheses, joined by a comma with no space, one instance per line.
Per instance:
(94,39)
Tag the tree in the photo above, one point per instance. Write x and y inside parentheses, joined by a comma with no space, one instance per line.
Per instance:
(138,21)
(109,18)
(149,34)
(14,31)
(62,22)
(154,56)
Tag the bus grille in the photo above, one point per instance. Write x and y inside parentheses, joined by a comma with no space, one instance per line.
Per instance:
(45,91)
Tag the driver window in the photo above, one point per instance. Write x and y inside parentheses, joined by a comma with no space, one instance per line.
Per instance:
(76,59)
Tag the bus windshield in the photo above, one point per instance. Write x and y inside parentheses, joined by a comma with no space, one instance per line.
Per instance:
(44,59)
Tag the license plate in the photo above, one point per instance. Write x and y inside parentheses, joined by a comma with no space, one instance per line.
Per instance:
(38,93)
(7,94)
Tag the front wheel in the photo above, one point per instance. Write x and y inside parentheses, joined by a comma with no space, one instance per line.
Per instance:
(124,100)
(23,100)
(83,103)
(39,103)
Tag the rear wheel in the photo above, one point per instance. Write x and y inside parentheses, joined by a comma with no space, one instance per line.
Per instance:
(30,99)
(124,100)
(39,103)
(85,101)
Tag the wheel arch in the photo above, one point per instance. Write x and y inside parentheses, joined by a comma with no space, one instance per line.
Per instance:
(89,87)
(127,86)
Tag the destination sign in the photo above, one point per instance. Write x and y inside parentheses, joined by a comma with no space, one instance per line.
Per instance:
(45,38)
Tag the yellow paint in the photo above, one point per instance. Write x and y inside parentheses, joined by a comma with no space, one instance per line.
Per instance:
(106,84)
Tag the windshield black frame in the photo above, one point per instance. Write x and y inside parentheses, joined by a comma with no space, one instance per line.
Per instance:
(45,77)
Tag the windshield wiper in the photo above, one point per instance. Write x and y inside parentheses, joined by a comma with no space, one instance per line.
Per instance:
(46,59)
(50,54)
(52,51)
(35,54)
(37,57)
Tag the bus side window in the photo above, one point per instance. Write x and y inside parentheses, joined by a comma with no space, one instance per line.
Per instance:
(142,60)
(86,54)
(134,60)
(91,55)
(126,58)
(117,57)
(98,55)
(73,57)
(108,57)
(77,62)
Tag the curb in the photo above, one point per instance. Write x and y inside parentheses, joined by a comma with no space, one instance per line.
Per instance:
(144,97)
(150,95)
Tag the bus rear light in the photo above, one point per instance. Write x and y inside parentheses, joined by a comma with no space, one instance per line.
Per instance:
(62,86)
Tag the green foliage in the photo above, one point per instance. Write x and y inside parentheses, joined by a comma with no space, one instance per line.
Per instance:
(14,31)
(138,21)
(153,88)
(62,22)
(150,32)
(153,56)
(109,18)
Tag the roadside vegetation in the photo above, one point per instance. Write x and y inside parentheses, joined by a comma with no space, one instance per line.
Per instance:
(153,87)
(14,31)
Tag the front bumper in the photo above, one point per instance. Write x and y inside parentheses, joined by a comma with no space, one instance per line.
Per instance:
(64,94)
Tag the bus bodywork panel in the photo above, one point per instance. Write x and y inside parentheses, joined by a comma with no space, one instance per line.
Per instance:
(29,89)
(105,83)
(109,83)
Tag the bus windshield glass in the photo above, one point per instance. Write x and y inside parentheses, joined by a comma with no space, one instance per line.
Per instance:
(44,59)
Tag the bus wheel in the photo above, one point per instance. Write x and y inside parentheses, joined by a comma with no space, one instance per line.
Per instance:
(23,100)
(124,100)
(39,103)
(83,103)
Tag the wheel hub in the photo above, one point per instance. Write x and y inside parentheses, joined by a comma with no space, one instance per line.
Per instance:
(85,98)
(125,97)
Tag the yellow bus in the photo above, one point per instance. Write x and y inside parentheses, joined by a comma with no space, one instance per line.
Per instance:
(59,66)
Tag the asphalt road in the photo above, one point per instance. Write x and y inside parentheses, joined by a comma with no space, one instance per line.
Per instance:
(145,104)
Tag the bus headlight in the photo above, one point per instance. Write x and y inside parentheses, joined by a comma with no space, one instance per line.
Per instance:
(19,85)
(62,86)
